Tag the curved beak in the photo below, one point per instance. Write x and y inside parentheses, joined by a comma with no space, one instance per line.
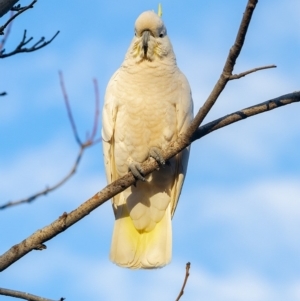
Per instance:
(145,37)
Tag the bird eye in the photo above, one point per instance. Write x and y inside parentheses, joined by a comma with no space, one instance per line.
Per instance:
(161,35)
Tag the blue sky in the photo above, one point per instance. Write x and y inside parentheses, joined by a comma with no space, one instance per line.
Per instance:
(238,219)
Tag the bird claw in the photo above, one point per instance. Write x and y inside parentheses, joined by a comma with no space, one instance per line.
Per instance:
(137,171)
(156,154)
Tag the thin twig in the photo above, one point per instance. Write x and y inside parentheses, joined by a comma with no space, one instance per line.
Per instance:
(6,35)
(22,295)
(16,15)
(90,141)
(48,189)
(187,274)
(69,111)
(236,76)
(3,93)
(68,219)
(20,48)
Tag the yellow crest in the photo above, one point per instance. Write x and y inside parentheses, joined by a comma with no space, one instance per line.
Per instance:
(159,11)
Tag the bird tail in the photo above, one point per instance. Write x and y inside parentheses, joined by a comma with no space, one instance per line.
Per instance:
(136,249)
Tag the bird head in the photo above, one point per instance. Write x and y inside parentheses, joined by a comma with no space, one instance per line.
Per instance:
(150,41)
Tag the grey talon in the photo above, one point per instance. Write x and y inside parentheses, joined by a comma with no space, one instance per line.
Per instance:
(156,154)
(137,171)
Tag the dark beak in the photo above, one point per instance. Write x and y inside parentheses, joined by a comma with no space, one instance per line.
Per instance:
(146,37)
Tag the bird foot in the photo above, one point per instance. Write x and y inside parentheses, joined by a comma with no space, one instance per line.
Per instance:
(136,167)
(156,154)
(137,171)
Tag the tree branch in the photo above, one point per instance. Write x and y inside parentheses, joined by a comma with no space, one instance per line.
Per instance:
(237,76)
(20,48)
(22,295)
(49,189)
(245,113)
(187,274)
(226,74)
(68,107)
(6,35)
(6,5)
(90,141)
(19,12)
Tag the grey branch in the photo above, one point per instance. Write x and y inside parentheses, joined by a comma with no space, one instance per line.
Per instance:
(237,76)
(6,5)
(227,71)
(22,295)
(90,141)
(49,189)
(187,274)
(245,113)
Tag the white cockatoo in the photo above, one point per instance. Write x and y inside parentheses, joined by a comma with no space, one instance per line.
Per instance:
(148,103)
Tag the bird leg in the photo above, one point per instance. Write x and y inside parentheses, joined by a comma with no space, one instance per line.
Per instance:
(136,168)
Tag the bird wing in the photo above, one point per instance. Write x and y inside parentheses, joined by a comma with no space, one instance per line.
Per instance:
(108,125)
(184,110)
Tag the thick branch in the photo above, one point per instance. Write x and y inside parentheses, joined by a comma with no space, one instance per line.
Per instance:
(67,220)
(245,113)
(6,5)
(22,295)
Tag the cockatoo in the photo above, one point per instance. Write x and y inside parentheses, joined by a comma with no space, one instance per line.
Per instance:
(148,103)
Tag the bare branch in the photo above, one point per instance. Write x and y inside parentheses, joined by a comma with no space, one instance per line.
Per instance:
(48,189)
(22,295)
(3,93)
(245,113)
(227,70)
(187,274)
(237,76)
(6,5)
(68,219)
(91,141)
(20,48)
(20,11)
(69,111)
(2,43)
